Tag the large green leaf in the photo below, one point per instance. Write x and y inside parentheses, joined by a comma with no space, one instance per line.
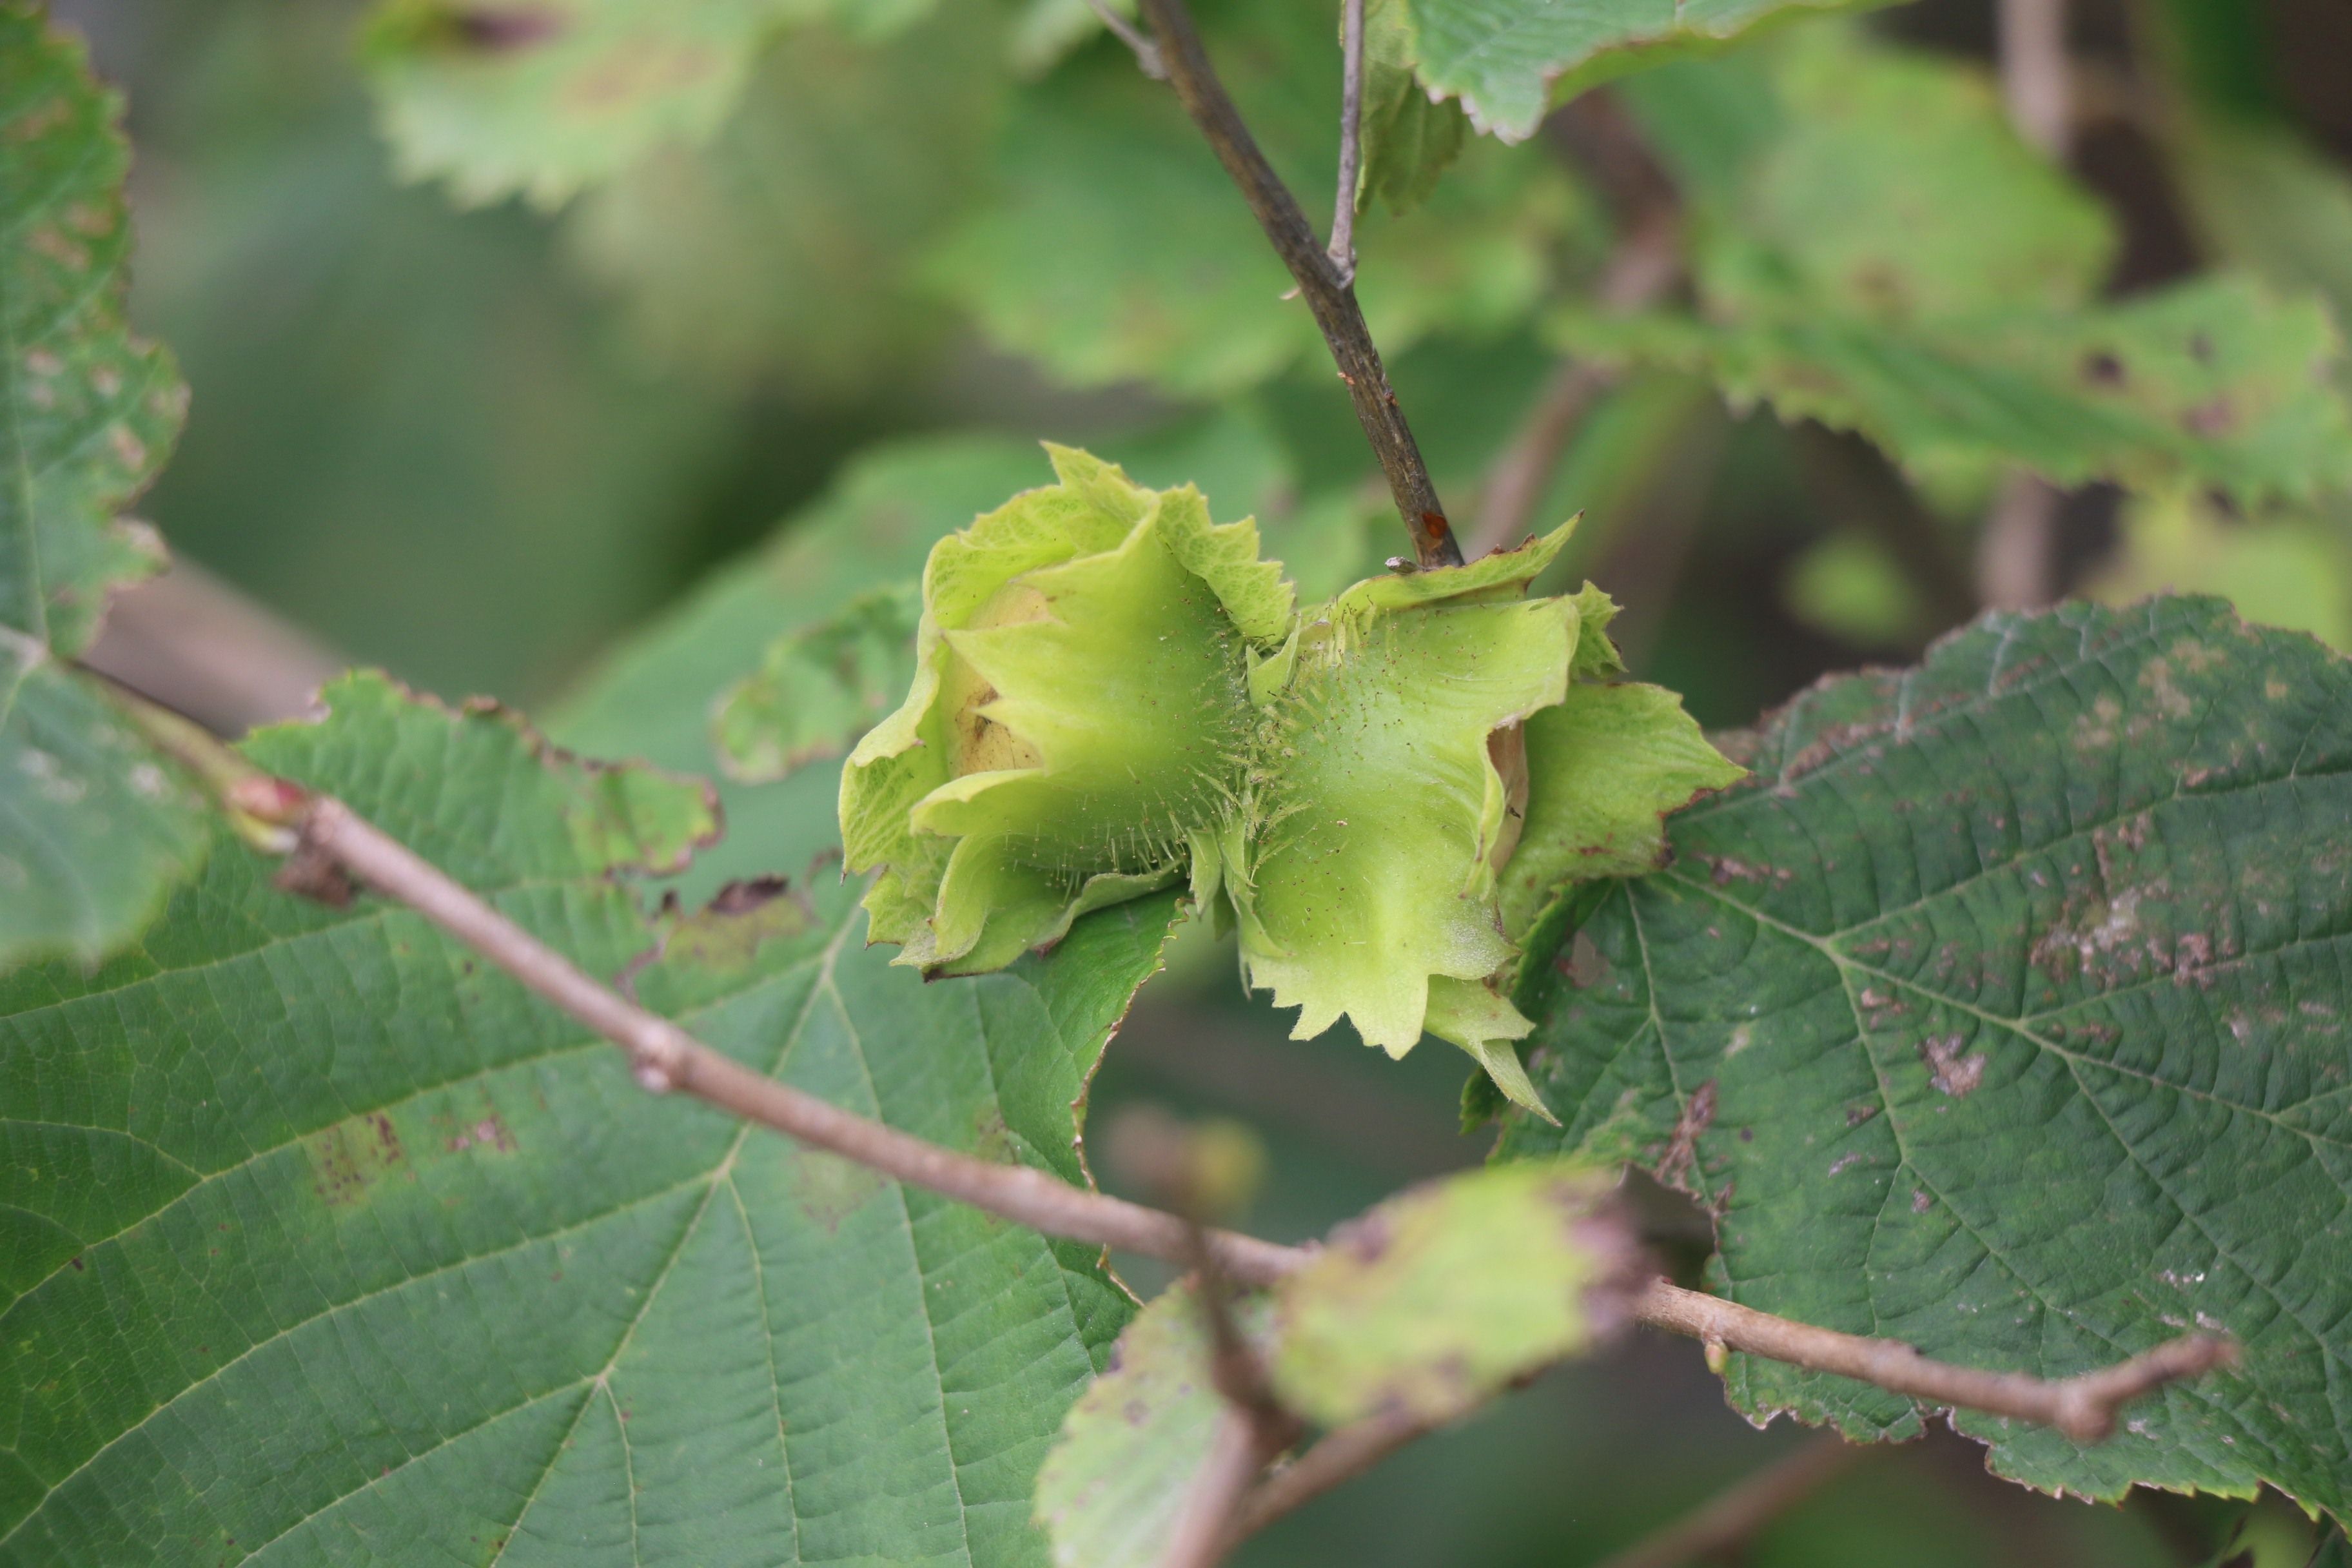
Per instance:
(2004,1012)
(91,829)
(1507,60)
(326,1242)
(1876,249)
(781,247)
(2215,381)
(543,100)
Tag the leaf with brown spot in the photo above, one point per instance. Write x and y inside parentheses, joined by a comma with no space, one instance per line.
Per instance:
(2097,1005)
(1442,1296)
(94,828)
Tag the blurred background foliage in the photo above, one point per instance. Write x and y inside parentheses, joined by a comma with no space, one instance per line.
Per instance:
(511,343)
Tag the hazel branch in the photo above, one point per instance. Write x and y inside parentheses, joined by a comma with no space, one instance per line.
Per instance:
(2083,1408)
(1329,294)
(325,841)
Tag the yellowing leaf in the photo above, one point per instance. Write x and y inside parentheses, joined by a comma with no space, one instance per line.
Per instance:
(1437,1299)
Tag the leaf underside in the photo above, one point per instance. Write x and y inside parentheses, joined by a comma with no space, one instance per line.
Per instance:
(325,1242)
(2004,1012)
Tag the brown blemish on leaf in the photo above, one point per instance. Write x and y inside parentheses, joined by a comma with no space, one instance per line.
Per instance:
(1955,1074)
(743,917)
(2155,678)
(2101,368)
(1682,1149)
(1725,869)
(2096,730)
(488,1133)
(2213,417)
(350,1160)
(503,31)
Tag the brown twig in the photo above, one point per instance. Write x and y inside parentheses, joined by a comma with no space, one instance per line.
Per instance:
(281,817)
(2017,564)
(210,651)
(1336,1457)
(667,1058)
(1328,294)
(1203,1534)
(1253,1429)
(2017,552)
(1737,1513)
(1342,250)
(2083,1408)
(2036,78)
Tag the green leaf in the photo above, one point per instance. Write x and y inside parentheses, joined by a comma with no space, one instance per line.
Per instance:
(543,100)
(1116,249)
(1875,249)
(1438,1298)
(92,830)
(781,247)
(819,688)
(1408,139)
(1507,60)
(1894,186)
(1112,1490)
(2004,1013)
(321,1232)
(2213,381)
(2267,202)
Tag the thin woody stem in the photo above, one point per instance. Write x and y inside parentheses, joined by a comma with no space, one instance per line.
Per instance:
(1203,1531)
(1328,295)
(1339,1457)
(1733,1516)
(1342,250)
(278,816)
(667,1058)
(2083,1408)
(1147,53)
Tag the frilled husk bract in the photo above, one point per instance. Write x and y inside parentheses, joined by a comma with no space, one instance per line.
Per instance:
(1114,695)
